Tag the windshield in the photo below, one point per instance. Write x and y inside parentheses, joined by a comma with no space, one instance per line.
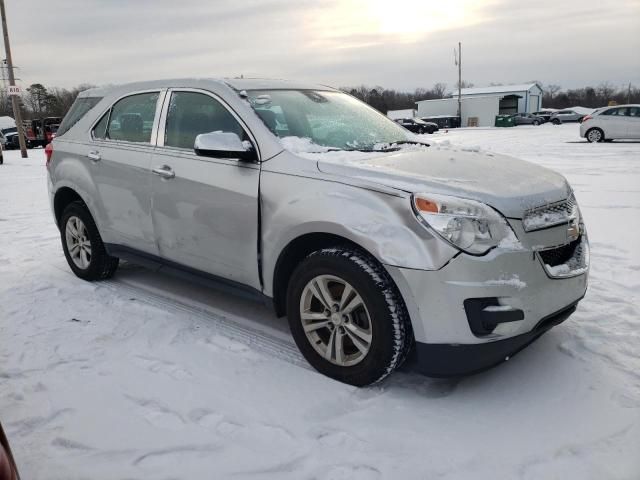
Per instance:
(9,130)
(330,119)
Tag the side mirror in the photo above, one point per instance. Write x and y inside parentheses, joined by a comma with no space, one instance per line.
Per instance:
(224,145)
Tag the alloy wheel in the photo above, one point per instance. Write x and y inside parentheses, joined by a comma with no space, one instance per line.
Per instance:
(594,135)
(78,243)
(335,320)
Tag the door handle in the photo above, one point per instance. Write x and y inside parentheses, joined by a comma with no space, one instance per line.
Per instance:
(164,171)
(94,156)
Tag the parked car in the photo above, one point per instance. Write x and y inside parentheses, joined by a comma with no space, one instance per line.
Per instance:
(376,247)
(10,136)
(527,119)
(41,131)
(546,114)
(612,123)
(443,121)
(563,116)
(417,125)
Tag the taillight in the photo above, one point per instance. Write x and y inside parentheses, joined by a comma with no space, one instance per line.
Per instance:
(588,117)
(48,151)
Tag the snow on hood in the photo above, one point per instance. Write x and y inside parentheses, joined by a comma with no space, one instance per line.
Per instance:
(509,185)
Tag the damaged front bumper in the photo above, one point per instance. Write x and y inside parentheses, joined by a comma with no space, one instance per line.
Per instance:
(478,311)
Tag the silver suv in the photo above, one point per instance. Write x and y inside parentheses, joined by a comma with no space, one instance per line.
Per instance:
(377,247)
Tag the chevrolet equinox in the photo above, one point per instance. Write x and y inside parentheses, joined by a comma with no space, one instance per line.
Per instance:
(377,247)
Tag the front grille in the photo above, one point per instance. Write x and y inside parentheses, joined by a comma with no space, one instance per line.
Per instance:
(550,215)
(568,260)
(560,255)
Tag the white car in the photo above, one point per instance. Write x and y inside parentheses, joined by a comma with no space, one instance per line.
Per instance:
(612,123)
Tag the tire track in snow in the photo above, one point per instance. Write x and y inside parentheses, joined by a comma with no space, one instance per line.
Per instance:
(227,325)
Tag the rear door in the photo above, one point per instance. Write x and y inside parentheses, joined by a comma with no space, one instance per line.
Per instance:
(120,163)
(614,122)
(205,210)
(633,122)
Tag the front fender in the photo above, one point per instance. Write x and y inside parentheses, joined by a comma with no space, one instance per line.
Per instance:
(381,223)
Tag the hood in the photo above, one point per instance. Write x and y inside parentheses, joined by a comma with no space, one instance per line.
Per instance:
(509,185)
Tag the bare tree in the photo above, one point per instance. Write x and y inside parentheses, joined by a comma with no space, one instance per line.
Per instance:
(439,90)
(464,84)
(606,91)
(552,89)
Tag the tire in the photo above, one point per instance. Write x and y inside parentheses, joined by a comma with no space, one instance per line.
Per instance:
(380,317)
(555,121)
(94,265)
(594,135)
(535,123)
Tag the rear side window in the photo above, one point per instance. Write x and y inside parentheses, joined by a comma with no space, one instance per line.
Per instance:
(78,110)
(615,111)
(191,114)
(132,118)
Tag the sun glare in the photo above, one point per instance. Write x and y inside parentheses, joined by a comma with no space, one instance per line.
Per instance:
(355,23)
(411,18)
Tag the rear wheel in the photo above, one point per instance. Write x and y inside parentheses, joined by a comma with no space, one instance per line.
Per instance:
(595,135)
(83,246)
(347,316)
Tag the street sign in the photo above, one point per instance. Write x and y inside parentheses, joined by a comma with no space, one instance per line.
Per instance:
(13,90)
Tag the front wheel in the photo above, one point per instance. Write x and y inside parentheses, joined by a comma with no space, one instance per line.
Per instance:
(536,123)
(83,245)
(595,135)
(555,121)
(347,316)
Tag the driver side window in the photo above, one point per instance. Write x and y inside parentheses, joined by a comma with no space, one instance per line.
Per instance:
(192,113)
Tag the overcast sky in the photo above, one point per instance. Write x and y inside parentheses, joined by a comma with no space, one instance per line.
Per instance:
(400,44)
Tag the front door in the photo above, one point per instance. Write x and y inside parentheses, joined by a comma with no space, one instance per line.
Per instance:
(204,210)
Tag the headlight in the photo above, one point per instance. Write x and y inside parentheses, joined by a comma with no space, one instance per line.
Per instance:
(468,225)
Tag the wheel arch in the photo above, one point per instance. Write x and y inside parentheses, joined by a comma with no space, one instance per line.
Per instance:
(294,252)
(63,197)
(603,136)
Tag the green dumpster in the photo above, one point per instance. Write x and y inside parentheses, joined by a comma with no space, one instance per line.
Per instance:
(505,121)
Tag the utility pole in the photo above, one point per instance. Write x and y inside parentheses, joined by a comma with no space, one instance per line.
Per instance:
(12,81)
(629,94)
(458,59)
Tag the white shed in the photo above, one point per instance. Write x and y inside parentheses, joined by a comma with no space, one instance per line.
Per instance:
(523,98)
(481,105)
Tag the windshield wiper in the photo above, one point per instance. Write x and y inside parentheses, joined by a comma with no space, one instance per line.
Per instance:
(411,142)
(391,147)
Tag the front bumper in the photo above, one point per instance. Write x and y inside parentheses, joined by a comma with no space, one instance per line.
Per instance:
(452,360)
(518,295)
(583,130)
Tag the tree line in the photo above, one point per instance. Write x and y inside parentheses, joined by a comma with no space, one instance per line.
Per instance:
(38,101)
(554,96)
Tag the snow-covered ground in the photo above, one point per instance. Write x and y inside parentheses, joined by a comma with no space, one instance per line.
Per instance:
(145,376)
